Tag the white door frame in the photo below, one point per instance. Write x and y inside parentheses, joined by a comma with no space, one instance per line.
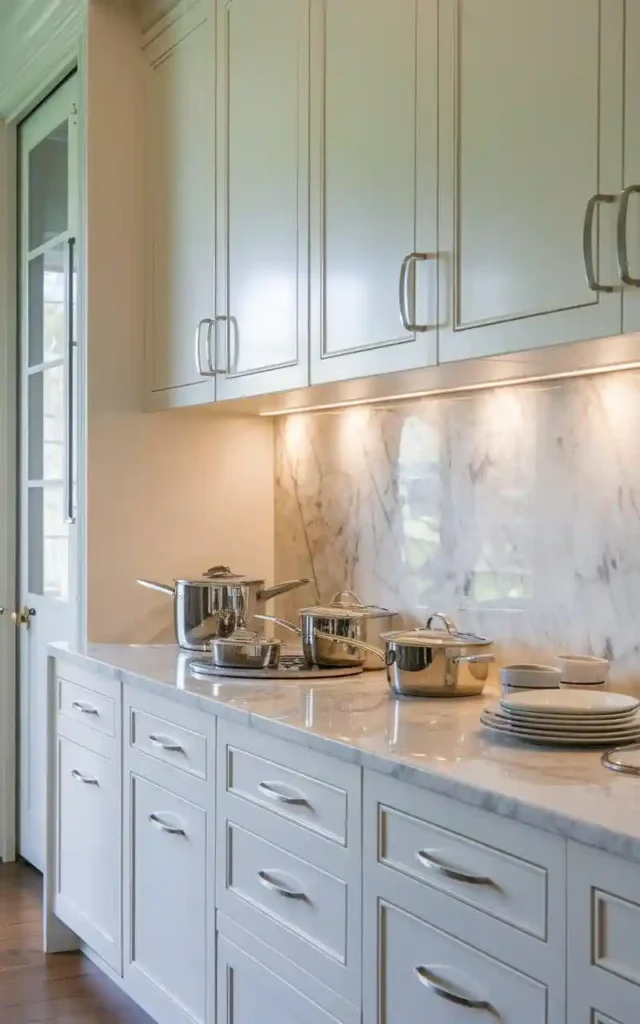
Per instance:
(43,77)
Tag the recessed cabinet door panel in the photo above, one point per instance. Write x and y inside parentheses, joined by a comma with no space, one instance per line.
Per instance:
(88,858)
(180,183)
(263,208)
(375,187)
(531,130)
(166,901)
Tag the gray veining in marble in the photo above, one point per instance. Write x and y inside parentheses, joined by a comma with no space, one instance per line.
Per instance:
(437,744)
(517,510)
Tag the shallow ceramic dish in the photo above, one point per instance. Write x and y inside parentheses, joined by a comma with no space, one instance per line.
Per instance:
(563,725)
(582,669)
(530,677)
(567,702)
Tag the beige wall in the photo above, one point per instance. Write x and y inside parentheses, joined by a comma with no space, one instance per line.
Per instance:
(168,493)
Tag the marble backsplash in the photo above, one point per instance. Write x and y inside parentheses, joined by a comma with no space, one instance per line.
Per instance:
(516,510)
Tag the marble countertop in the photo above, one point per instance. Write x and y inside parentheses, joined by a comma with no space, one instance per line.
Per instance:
(437,744)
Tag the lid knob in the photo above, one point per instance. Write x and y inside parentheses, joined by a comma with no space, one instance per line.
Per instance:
(218,571)
(347,597)
(449,624)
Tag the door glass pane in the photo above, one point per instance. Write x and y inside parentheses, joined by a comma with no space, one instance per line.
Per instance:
(46,424)
(48,570)
(46,315)
(49,187)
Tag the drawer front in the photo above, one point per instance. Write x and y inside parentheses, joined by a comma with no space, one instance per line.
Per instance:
(173,744)
(615,929)
(88,707)
(316,805)
(426,975)
(165,912)
(490,880)
(298,895)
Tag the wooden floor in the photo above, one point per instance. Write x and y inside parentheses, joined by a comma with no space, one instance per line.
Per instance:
(62,989)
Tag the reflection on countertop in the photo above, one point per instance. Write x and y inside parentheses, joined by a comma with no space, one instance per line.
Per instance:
(438,744)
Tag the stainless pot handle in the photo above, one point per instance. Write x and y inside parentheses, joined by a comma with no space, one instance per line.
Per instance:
(475,659)
(280,622)
(449,624)
(282,588)
(358,644)
(162,588)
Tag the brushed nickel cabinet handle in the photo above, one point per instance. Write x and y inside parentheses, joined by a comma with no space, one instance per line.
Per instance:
(434,864)
(290,894)
(87,779)
(166,743)
(86,709)
(408,321)
(173,830)
(269,789)
(587,242)
(211,371)
(435,985)
(623,236)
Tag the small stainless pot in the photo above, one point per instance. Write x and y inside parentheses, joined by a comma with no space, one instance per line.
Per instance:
(217,603)
(245,649)
(436,662)
(327,650)
(348,619)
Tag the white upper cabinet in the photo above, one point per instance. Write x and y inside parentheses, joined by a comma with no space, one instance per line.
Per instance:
(262,302)
(531,132)
(374,187)
(629,207)
(180,213)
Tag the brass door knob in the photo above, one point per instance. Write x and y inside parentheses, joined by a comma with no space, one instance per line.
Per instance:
(24,617)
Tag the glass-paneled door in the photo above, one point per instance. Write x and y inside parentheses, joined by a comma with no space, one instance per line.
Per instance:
(48,181)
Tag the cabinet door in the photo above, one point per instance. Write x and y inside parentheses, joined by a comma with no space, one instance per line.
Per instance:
(375,188)
(88,867)
(630,213)
(263,206)
(165,904)
(180,190)
(531,131)
(248,993)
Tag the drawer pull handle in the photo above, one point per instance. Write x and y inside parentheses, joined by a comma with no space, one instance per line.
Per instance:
(88,781)
(290,894)
(435,985)
(173,830)
(166,744)
(431,862)
(269,789)
(86,709)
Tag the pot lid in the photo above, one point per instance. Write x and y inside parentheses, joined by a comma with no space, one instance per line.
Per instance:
(427,636)
(347,605)
(241,637)
(221,574)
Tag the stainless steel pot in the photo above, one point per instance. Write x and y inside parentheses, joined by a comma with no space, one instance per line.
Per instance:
(436,662)
(326,650)
(245,649)
(347,618)
(216,604)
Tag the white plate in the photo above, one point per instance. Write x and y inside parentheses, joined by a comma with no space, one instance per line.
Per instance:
(570,740)
(565,723)
(593,732)
(568,702)
(532,719)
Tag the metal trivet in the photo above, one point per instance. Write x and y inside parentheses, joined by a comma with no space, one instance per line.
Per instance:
(620,766)
(292,666)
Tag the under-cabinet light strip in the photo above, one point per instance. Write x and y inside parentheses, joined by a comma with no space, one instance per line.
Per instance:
(462,389)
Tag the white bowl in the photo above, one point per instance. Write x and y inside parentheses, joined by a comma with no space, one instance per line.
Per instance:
(582,670)
(530,677)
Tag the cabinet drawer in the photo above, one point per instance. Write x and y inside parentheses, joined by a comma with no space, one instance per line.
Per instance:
(510,889)
(86,706)
(429,976)
(168,742)
(310,802)
(292,892)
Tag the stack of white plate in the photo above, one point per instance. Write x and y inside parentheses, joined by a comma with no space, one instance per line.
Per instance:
(559,718)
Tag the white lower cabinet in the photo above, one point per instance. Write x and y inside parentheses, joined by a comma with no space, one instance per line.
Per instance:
(248,993)
(426,975)
(87,884)
(166,912)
